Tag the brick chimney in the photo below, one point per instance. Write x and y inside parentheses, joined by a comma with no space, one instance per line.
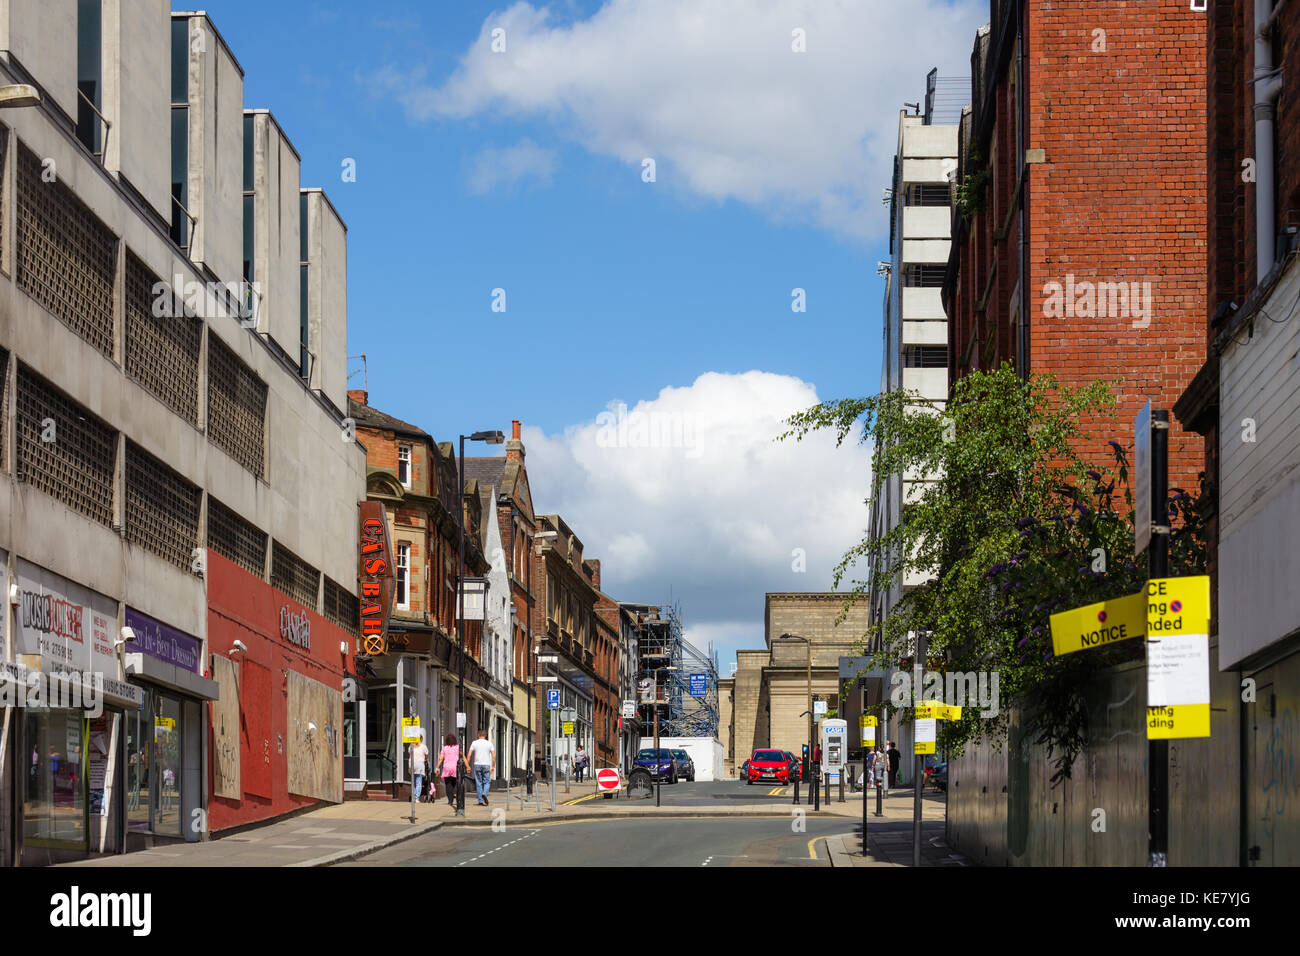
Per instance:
(594,564)
(515,447)
(359,396)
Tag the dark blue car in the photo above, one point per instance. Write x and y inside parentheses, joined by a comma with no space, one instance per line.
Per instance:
(659,762)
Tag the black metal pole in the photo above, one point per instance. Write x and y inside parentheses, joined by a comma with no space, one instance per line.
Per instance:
(460,627)
(1158,750)
(918,675)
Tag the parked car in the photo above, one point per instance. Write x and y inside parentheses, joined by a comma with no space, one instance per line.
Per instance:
(768,765)
(743,772)
(659,762)
(685,765)
(937,776)
(796,767)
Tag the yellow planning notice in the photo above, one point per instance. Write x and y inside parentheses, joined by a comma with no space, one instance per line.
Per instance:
(1095,625)
(1185,720)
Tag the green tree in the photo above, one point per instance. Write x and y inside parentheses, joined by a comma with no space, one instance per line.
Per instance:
(1014,525)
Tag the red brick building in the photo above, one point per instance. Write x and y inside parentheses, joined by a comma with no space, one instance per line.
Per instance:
(1079,239)
(1245,403)
(416,479)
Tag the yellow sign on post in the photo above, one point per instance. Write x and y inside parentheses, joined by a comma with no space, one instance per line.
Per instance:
(1178,657)
(568,728)
(926,732)
(411,730)
(937,710)
(867,725)
(1095,625)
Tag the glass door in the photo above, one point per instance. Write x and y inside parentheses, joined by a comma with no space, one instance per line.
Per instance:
(381,734)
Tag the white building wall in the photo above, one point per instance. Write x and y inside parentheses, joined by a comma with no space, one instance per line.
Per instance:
(1259,480)
(42,35)
(216,182)
(136,70)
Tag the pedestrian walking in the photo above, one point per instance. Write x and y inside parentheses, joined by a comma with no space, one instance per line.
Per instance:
(482,757)
(419,758)
(894,759)
(449,761)
(580,763)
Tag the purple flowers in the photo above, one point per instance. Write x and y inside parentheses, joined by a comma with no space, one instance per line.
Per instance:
(1023,642)
(1116,445)
(1094,475)
(1026,522)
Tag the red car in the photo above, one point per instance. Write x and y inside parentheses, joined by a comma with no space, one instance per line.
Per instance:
(768,765)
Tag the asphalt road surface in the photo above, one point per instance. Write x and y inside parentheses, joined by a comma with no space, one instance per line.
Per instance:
(628,842)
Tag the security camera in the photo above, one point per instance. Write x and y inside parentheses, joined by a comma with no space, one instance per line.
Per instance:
(239,646)
(128,637)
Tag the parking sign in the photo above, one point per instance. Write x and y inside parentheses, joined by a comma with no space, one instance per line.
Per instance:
(553,699)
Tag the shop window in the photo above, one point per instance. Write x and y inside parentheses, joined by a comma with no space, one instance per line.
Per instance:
(54,806)
(154,741)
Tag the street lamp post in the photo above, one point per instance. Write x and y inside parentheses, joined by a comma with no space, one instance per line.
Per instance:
(795,637)
(658,776)
(15,95)
(492,438)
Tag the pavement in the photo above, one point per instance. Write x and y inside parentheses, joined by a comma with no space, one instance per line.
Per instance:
(356,828)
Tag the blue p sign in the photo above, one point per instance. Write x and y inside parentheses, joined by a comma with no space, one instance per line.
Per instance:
(553,699)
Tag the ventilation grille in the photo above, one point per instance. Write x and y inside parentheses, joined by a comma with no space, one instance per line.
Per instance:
(65,255)
(162,353)
(236,406)
(64,450)
(293,576)
(236,539)
(162,508)
(341,607)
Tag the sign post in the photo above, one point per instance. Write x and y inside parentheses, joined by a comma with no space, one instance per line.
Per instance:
(1157,423)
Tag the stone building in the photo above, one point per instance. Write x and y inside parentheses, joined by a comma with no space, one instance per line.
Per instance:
(769,691)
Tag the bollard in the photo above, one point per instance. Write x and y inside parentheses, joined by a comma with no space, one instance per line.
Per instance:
(815,786)
(880,793)
(842,773)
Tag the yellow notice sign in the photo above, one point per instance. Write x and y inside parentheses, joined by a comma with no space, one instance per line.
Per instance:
(1094,625)
(568,728)
(926,732)
(1178,606)
(868,721)
(411,729)
(1178,658)
(1186,720)
(935,710)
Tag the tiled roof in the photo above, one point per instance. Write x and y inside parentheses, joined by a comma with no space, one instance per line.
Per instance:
(374,418)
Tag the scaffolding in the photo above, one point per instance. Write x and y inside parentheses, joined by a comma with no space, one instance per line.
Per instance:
(674,677)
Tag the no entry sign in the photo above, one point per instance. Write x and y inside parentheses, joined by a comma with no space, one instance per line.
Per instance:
(607,779)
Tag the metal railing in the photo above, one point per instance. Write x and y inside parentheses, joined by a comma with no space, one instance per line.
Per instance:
(108,126)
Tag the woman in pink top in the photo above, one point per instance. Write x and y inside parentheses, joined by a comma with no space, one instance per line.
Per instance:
(448,758)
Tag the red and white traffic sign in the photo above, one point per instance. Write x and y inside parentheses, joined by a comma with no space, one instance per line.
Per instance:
(607,779)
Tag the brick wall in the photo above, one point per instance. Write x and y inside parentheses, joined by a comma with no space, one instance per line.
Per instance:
(1120,198)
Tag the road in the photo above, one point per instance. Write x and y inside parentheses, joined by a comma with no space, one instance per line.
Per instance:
(676,841)
(636,842)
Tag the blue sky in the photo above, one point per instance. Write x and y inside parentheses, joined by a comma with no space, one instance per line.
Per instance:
(521,170)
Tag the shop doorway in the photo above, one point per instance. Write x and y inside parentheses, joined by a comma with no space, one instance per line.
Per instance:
(381,735)
(154,766)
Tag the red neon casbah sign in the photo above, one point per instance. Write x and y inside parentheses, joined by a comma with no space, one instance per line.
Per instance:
(377,580)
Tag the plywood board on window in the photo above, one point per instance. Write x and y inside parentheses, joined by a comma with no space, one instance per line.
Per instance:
(315,751)
(225,730)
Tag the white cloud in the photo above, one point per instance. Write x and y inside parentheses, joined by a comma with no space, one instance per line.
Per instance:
(688,496)
(493,168)
(713,91)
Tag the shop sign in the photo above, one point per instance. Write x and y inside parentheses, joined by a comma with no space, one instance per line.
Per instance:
(67,626)
(295,627)
(377,580)
(167,644)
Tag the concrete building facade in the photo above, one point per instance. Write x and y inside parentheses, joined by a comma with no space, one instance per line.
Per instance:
(154,432)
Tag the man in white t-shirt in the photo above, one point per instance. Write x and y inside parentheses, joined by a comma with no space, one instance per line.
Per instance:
(482,758)
(419,758)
